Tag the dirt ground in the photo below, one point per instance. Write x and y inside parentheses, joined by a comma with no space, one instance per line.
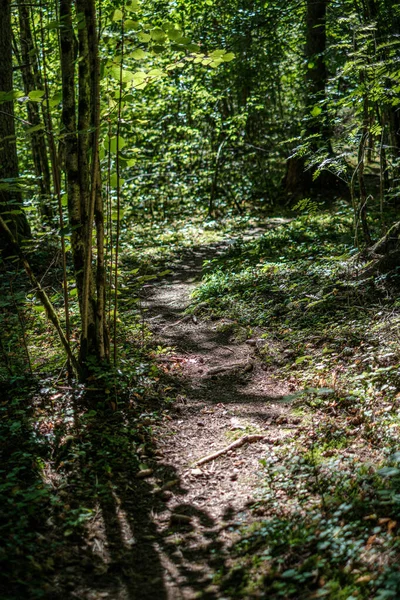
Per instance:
(226,395)
(170,538)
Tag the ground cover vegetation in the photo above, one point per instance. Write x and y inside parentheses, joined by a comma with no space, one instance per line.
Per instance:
(263,138)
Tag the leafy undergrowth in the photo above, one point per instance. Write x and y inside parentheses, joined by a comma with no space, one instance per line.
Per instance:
(154,243)
(331,498)
(67,458)
(329,507)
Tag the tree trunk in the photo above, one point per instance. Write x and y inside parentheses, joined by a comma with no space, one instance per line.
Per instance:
(316,75)
(297,180)
(68,119)
(10,196)
(362,204)
(32,81)
(85,204)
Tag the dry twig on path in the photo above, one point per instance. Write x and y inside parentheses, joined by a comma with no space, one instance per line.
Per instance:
(185,318)
(247,439)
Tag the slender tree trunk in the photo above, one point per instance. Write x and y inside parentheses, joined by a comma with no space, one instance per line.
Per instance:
(85,202)
(88,304)
(298,180)
(68,118)
(316,74)
(10,199)
(31,80)
(96,200)
(362,207)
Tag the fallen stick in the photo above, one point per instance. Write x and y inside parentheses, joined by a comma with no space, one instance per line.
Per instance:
(186,318)
(227,348)
(247,439)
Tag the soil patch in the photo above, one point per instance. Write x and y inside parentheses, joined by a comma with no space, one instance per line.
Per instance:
(167,533)
(226,394)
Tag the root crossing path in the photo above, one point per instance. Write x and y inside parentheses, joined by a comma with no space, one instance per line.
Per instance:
(206,471)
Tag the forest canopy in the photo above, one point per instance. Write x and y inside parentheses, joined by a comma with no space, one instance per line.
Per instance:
(141,111)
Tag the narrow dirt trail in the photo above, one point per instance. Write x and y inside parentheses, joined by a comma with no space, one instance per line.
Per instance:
(226,394)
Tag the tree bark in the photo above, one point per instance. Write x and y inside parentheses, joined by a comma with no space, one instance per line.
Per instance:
(10,196)
(316,74)
(85,204)
(32,81)
(298,180)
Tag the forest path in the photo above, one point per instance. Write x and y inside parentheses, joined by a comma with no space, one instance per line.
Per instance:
(225,394)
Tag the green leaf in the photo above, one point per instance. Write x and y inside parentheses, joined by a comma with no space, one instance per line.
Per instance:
(114,181)
(138,54)
(113,144)
(132,6)
(52,25)
(157,49)
(228,57)
(11,95)
(131,25)
(155,73)
(56,99)
(114,214)
(139,77)
(125,75)
(388,471)
(30,130)
(183,40)
(289,574)
(173,33)
(38,308)
(144,37)
(36,95)
(317,110)
(217,53)
(301,359)
(157,34)
(118,15)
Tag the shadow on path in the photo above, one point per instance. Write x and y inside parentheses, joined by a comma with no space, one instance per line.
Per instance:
(166,536)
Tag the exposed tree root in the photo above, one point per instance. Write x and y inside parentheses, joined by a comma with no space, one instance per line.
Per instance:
(384,255)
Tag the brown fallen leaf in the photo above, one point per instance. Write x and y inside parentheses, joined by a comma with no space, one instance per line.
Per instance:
(371,540)
(391,526)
